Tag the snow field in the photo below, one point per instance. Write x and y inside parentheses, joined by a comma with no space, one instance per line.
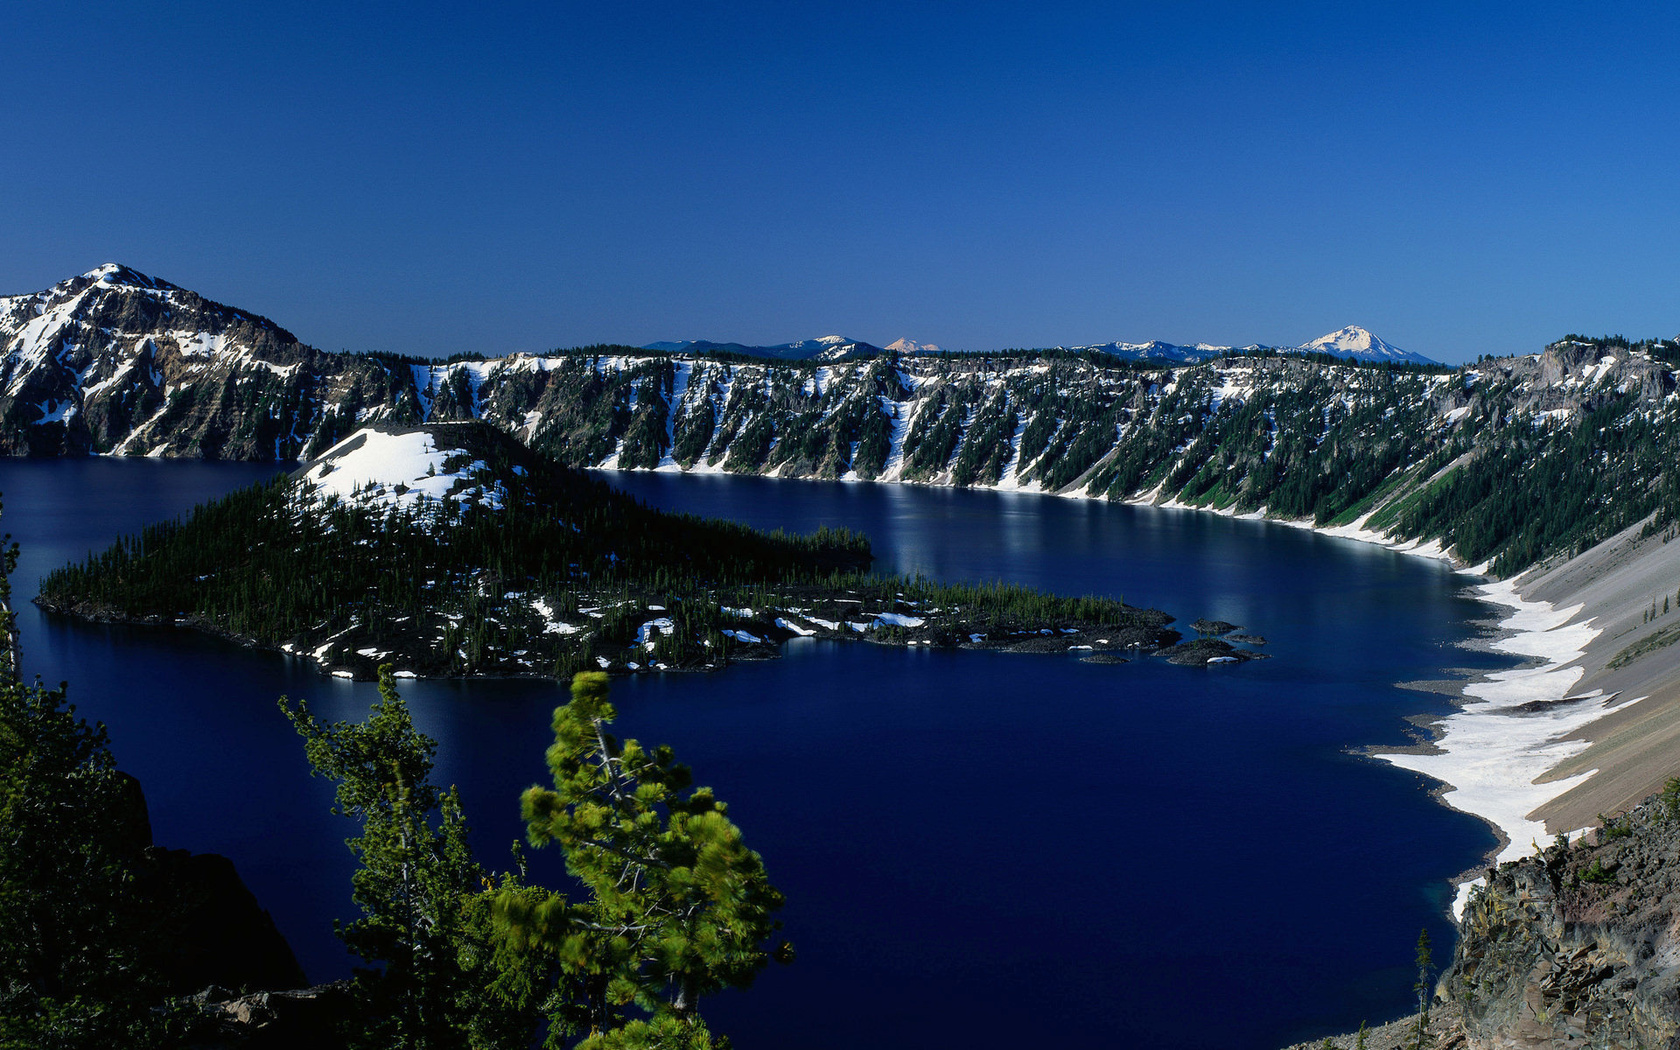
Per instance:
(1492,750)
(368,467)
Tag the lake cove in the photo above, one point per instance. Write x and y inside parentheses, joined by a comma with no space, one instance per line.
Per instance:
(982,848)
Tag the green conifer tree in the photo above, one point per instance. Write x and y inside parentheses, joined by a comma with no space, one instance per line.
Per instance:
(424,900)
(679,907)
(1424,987)
(74,967)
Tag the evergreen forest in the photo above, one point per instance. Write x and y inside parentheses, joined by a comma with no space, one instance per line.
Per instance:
(564,574)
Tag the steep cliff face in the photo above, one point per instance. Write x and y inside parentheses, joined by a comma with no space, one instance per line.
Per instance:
(115,361)
(1578,946)
(1516,458)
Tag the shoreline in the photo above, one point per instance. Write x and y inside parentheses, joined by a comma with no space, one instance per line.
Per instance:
(1495,757)
(1490,759)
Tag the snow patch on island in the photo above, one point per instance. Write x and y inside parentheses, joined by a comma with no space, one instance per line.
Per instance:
(400,470)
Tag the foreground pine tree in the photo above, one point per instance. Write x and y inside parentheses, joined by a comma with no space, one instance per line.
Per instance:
(679,908)
(424,924)
(75,969)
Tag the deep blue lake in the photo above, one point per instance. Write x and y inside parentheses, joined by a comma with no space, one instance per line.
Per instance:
(977,848)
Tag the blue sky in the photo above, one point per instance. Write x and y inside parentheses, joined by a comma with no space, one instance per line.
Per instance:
(429,178)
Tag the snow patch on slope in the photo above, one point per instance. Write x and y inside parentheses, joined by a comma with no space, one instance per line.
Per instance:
(399,471)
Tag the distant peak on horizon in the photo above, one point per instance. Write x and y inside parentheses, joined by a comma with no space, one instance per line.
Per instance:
(907,345)
(1352,341)
(1353,337)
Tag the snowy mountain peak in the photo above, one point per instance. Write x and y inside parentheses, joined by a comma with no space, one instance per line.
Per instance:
(114,274)
(1351,339)
(907,345)
(1354,341)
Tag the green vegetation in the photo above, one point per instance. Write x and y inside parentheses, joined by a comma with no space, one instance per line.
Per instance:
(1425,986)
(679,908)
(78,965)
(1651,643)
(433,984)
(1611,828)
(78,962)
(567,574)
(452,585)
(675,906)
(101,934)
(1670,798)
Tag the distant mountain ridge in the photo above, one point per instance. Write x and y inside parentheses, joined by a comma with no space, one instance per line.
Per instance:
(826,348)
(1352,341)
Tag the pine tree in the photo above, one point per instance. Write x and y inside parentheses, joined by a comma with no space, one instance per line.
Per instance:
(423,897)
(679,907)
(74,966)
(1424,987)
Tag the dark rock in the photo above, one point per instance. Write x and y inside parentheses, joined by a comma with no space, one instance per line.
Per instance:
(1104,658)
(205,925)
(1213,627)
(1199,651)
(211,930)
(313,1018)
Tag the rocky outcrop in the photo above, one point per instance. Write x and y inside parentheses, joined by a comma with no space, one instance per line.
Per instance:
(211,928)
(316,1018)
(203,925)
(115,361)
(1578,946)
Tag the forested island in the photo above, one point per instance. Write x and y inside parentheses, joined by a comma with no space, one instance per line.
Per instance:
(451,550)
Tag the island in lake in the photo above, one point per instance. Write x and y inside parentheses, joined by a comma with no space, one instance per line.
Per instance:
(450,550)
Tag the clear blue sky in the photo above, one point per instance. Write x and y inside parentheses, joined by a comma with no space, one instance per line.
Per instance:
(430,178)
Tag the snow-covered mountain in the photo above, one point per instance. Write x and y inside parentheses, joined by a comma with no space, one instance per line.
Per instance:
(1357,342)
(1352,341)
(116,361)
(906,345)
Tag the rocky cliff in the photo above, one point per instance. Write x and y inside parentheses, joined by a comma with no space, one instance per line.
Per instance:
(1579,945)
(118,362)
(1580,438)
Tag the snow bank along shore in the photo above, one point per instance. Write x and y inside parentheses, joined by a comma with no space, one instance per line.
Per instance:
(1514,727)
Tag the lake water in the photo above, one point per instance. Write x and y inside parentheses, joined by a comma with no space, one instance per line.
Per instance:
(978,848)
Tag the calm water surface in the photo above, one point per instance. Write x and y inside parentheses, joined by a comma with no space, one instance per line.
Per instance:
(979,848)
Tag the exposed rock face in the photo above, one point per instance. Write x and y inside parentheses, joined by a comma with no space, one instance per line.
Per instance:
(315,1018)
(205,927)
(115,361)
(1578,946)
(213,931)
